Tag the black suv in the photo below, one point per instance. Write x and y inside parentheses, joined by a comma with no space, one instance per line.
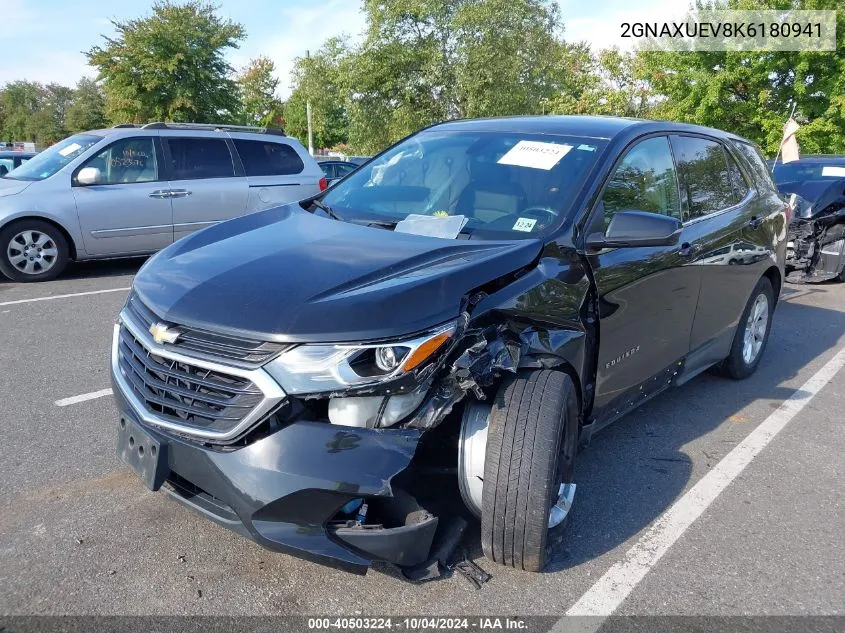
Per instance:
(305,375)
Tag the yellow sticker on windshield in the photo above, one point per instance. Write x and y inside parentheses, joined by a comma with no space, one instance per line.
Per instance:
(441,214)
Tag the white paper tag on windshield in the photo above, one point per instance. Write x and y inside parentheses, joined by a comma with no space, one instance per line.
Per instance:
(447,227)
(70,149)
(524,224)
(535,154)
(833,171)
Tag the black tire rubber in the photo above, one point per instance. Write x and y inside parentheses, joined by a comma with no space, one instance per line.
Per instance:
(734,366)
(532,439)
(12,229)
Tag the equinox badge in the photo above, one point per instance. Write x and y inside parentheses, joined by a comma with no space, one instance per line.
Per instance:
(162,335)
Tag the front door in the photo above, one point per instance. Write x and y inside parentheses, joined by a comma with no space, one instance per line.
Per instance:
(647,295)
(204,187)
(128,210)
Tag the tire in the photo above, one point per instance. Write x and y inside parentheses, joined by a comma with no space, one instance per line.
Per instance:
(737,365)
(532,439)
(43,238)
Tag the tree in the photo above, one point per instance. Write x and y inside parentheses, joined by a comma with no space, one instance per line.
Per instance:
(321,78)
(257,88)
(87,110)
(752,93)
(169,66)
(21,100)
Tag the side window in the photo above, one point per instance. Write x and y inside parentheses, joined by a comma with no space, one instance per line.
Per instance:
(645,180)
(6,165)
(738,181)
(264,158)
(342,170)
(705,182)
(754,159)
(196,158)
(125,161)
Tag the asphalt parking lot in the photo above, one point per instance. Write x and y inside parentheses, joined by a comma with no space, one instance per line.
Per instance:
(688,506)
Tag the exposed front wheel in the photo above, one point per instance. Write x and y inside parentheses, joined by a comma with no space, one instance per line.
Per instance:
(529,468)
(752,333)
(32,250)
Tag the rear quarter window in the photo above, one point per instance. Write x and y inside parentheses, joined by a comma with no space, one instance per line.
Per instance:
(265,158)
(757,166)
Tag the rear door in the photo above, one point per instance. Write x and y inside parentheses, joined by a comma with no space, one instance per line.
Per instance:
(129,210)
(275,171)
(721,213)
(206,183)
(647,295)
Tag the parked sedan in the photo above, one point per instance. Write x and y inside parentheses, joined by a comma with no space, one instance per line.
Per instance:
(336,169)
(478,299)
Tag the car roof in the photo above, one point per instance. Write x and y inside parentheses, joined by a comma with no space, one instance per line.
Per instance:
(600,127)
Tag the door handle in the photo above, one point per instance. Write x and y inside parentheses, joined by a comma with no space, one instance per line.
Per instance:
(687,249)
(160,193)
(754,222)
(179,193)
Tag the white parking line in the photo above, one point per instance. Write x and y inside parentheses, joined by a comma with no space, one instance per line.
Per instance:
(83,397)
(73,294)
(605,596)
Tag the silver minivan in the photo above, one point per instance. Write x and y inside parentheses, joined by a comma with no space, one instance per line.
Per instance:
(132,190)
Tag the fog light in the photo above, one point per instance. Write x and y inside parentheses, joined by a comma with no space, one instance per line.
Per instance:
(363,412)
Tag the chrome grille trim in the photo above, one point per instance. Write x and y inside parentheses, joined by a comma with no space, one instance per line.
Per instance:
(271,393)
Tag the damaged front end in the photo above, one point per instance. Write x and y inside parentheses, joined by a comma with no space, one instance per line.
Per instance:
(816,242)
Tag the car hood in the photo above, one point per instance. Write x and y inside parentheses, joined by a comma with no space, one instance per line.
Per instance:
(9,187)
(287,275)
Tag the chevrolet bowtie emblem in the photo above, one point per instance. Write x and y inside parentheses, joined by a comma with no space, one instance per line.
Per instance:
(161,334)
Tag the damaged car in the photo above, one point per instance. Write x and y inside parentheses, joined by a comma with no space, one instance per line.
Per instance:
(436,335)
(815,186)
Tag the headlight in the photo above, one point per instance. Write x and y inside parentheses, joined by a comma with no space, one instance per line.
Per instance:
(315,369)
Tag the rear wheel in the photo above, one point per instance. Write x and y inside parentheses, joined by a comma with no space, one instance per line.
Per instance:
(752,333)
(529,468)
(32,250)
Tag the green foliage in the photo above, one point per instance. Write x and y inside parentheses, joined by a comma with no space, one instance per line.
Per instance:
(752,94)
(320,78)
(259,104)
(87,110)
(170,65)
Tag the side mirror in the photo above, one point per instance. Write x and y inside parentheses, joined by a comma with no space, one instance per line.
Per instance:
(89,176)
(632,228)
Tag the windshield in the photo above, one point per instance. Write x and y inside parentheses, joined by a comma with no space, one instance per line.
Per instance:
(506,184)
(800,172)
(52,159)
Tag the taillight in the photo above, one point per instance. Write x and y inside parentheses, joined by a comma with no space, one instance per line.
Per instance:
(324,184)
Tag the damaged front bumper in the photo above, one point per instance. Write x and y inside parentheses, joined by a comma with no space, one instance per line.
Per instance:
(815,251)
(299,490)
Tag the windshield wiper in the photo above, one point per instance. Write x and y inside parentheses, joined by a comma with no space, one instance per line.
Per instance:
(327,209)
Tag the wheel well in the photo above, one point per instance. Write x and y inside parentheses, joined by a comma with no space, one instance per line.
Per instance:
(570,371)
(774,276)
(71,245)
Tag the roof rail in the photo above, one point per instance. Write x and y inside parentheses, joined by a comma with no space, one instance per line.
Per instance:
(213,127)
(125,125)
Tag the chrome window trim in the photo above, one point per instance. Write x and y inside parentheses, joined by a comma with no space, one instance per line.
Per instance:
(273,393)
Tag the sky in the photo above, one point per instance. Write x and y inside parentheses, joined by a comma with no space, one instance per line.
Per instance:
(43,40)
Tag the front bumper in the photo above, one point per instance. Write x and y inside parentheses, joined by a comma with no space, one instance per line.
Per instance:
(285,490)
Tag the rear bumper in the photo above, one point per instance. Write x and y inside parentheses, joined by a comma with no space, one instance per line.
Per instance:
(284,491)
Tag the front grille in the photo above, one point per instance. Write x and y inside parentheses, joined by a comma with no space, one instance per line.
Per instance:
(182,393)
(209,345)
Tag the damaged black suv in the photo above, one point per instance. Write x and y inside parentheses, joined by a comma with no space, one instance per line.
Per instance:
(458,314)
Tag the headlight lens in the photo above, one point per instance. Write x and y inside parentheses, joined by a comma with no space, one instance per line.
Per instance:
(313,369)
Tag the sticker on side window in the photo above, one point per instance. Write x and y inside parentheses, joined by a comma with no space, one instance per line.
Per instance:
(535,154)
(524,224)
